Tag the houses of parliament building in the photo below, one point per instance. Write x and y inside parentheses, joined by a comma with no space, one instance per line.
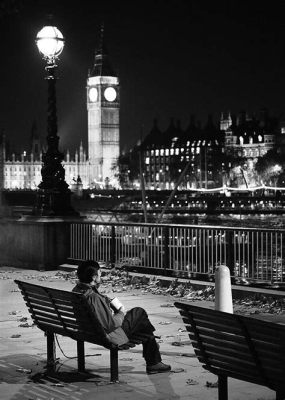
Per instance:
(161,151)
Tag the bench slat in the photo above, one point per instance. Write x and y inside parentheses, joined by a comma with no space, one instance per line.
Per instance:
(45,299)
(38,290)
(220,362)
(220,321)
(211,325)
(269,352)
(237,374)
(68,317)
(235,357)
(270,359)
(272,374)
(67,306)
(195,310)
(230,338)
(64,322)
(274,384)
(38,308)
(235,334)
(53,318)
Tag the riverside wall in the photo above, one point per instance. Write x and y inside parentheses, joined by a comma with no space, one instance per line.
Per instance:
(34,243)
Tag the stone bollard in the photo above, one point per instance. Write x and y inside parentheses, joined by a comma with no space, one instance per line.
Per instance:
(223,290)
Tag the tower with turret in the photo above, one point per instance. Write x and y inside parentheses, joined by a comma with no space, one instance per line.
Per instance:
(103,106)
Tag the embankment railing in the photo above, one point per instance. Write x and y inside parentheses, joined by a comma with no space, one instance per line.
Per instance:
(183,250)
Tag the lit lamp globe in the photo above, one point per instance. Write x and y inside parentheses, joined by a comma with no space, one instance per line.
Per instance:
(50,42)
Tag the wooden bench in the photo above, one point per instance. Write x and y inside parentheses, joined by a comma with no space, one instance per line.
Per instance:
(236,346)
(69,314)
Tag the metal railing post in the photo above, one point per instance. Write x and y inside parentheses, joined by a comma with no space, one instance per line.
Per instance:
(230,251)
(113,246)
(165,251)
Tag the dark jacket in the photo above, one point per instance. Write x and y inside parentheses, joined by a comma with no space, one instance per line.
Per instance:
(111,322)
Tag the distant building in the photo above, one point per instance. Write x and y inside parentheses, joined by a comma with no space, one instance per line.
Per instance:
(23,171)
(200,157)
(250,137)
(167,154)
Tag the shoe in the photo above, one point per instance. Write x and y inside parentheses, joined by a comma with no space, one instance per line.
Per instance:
(158,368)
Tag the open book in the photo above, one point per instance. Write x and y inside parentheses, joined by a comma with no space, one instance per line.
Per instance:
(116,304)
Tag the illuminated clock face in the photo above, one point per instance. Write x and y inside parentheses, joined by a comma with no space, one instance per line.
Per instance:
(110,94)
(93,94)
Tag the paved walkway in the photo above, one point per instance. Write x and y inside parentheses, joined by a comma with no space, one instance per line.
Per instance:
(23,355)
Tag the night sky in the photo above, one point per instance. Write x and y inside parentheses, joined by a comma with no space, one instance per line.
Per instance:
(173,58)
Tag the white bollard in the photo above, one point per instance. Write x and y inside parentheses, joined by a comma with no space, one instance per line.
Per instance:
(223,290)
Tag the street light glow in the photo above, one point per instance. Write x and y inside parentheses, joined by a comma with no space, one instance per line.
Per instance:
(50,42)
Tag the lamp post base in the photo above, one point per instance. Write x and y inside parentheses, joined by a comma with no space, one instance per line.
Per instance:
(54,203)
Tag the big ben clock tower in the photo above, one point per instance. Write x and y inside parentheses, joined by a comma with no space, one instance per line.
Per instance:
(103,105)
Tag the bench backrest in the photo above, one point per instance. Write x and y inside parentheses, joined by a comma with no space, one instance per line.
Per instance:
(63,312)
(237,346)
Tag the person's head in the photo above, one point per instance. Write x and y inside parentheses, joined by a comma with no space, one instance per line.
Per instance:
(88,271)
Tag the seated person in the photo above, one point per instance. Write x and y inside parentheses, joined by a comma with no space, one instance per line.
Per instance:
(117,324)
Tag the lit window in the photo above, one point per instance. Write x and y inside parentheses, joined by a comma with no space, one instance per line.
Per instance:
(167,152)
(147,160)
(171,152)
(162,152)
(157,152)
(177,151)
(241,140)
(259,138)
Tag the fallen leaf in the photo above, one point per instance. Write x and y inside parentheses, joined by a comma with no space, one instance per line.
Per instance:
(23,370)
(177,370)
(25,325)
(191,382)
(167,305)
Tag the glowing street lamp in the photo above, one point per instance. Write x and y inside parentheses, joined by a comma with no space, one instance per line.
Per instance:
(53,197)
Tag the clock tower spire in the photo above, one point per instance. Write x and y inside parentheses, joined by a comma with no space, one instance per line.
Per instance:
(103,106)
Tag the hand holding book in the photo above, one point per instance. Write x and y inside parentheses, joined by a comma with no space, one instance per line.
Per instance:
(117,305)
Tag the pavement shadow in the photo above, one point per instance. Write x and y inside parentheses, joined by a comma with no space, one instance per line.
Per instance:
(25,377)
(162,385)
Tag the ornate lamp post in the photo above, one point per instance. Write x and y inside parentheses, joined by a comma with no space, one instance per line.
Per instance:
(53,198)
